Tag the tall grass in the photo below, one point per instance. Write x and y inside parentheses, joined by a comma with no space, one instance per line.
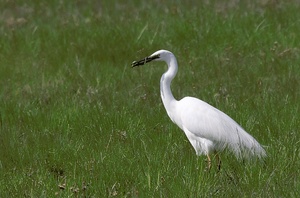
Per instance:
(76,120)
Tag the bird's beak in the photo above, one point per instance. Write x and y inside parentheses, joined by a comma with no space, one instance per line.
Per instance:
(144,61)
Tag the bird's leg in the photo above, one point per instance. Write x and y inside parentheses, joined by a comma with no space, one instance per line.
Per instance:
(218,161)
(208,162)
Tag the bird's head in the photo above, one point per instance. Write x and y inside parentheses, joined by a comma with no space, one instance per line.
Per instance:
(160,55)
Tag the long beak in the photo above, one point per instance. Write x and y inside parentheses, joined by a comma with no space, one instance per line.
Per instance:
(144,61)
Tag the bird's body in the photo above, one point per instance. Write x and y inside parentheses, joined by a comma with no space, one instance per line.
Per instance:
(208,129)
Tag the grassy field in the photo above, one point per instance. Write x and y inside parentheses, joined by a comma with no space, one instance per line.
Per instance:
(77,121)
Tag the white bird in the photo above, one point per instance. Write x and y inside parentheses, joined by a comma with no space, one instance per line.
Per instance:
(208,129)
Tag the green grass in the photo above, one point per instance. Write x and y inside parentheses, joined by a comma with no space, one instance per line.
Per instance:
(76,120)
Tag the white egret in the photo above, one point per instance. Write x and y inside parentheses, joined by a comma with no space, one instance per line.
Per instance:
(208,129)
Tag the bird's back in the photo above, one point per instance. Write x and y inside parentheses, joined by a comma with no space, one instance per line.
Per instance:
(207,122)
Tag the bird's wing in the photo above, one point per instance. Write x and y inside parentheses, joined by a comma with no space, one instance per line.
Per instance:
(205,121)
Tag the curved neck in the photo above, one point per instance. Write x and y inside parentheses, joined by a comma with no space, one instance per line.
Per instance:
(165,84)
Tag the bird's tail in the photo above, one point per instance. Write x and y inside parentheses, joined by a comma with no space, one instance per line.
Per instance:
(246,147)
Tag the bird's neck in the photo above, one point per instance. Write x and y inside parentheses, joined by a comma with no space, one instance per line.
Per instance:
(165,86)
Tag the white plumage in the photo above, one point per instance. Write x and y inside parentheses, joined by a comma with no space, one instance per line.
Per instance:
(208,129)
